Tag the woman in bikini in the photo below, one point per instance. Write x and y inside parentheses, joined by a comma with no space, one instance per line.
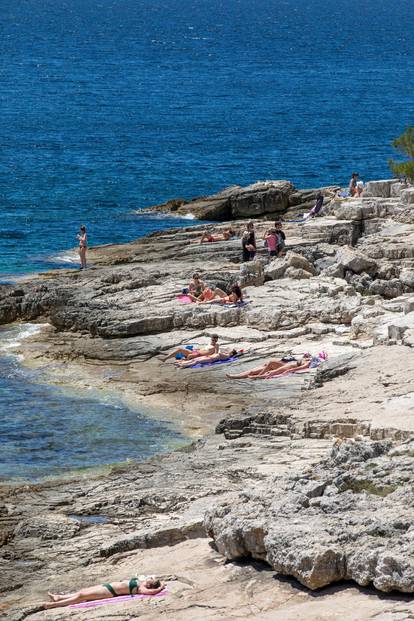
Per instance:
(273,368)
(208,237)
(150,586)
(219,296)
(83,244)
(189,354)
(196,287)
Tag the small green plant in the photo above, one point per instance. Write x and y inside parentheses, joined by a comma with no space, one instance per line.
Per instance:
(404,144)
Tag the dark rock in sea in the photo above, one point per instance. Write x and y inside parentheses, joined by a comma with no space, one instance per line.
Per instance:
(264,198)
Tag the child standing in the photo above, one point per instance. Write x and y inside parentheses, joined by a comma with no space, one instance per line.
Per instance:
(272,245)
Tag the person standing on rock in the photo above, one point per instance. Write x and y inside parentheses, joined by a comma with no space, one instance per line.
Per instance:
(271,238)
(281,244)
(249,243)
(83,244)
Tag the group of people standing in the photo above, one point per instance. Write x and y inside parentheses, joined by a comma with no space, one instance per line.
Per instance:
(274,240)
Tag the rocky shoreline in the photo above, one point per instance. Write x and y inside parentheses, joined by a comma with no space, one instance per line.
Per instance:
(307,476)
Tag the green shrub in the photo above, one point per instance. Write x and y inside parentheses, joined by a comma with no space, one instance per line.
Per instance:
(404,144)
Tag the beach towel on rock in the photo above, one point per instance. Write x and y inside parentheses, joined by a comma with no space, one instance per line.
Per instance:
(316,361)
(238,304)
(184,299)
(116,600)
(210,364)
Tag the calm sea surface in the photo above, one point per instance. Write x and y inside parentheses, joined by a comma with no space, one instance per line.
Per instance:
(112,105)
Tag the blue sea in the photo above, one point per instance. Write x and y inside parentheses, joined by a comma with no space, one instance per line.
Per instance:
(108,106)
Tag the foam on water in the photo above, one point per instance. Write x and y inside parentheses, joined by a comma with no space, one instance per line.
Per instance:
(11,338)
(65,258)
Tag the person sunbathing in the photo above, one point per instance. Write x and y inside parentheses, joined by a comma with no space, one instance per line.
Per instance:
(207,237)
(189,354)
(221,355)
(195,288)
(221,297)
(150,586)
(273,368)
(207,295)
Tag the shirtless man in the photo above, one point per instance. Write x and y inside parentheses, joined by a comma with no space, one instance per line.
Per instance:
(221,355)
(189,354)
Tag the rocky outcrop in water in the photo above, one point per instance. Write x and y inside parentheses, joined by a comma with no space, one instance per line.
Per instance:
(264,198)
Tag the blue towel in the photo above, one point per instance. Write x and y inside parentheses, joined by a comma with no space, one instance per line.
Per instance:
(210,364)
(181,356)
(238,304)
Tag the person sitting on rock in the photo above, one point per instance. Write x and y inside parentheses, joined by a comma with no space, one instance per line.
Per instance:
(274,368)
(196,287)
(249,243)
(221,355)
(189,354)
(359,188)
(208,237)
(221,297)
(352,187)
(150,586)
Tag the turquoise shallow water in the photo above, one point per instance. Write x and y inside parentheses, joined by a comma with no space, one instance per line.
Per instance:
(46,431)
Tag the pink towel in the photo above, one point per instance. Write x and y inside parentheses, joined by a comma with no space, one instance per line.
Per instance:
(116,600)
(184,299)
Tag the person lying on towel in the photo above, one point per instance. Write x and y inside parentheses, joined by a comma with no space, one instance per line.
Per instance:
(220,355)
(150,586)
(208,237)
(284,366)
(235,296)
(190,354)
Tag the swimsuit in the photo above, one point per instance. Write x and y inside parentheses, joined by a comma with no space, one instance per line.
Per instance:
(133,584)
